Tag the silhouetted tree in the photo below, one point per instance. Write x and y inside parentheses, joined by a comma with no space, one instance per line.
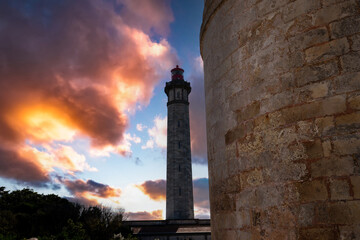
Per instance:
(25,213)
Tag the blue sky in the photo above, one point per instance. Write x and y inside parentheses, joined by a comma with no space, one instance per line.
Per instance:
(83,103)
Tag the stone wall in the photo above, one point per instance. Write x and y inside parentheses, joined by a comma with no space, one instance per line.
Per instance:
(282,88)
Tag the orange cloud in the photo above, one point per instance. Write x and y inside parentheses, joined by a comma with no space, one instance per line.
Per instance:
(78,71)
(156,190)
(154,215)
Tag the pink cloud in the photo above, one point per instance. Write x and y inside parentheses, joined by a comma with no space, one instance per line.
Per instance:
(150,15)
(156,190)
(154,215)
(197,113)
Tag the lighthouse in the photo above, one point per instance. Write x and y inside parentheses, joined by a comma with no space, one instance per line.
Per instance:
(179,188)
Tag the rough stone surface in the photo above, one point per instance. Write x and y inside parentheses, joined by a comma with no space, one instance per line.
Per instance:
(282,87)
(179,188)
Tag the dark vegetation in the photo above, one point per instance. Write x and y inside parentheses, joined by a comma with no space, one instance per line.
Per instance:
(25,214)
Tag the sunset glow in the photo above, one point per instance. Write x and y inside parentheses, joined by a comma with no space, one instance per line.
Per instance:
(83,112)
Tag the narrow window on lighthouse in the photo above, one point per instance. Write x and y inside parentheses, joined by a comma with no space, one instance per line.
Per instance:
(179,168)
(178,123)
(179,191)
(179,144)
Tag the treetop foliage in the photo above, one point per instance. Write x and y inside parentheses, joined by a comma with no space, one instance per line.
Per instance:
(25,214)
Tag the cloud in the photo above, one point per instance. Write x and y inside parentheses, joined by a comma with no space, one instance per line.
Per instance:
(157,134)
(69,160)
(72,69)
(197,113)
(89,191)
(154,215)
(156,190)
(148,15)
(140,127)
(20,168)
(33,166)
(201,193)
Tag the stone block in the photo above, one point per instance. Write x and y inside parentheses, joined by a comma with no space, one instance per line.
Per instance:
(306,214)
(333,105)
(345,27)
(331,2)
(333,166)
(354,102)
(351,120)
(355,182)
(335,12)
(317,233)
(228,220)
(347,212)
(252,178)
(299,25)
(315,73)
(350,61)
(325,125)
(299,7)
(265,7)
(248,112)
(319,90)
(313,149)
(285,172)
(340,190)
(278,217)
(355,46)
(312,191)
(327,50)
(243,218)
(244,236)
(327,148)
(349,232)
(262,198)
(347,82)
(276,102)
(308,39)
(329,106)
(224,202)
(238,132)
(347,145)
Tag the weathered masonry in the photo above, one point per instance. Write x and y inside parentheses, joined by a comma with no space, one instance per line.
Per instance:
(179,190)
(282,88)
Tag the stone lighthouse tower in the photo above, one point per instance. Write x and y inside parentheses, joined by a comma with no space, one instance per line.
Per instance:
(179,190)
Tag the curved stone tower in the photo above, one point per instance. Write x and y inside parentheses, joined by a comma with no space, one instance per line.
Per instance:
(282,87)
(179,189)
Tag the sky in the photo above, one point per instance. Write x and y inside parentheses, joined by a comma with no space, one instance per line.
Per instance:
(82,105)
